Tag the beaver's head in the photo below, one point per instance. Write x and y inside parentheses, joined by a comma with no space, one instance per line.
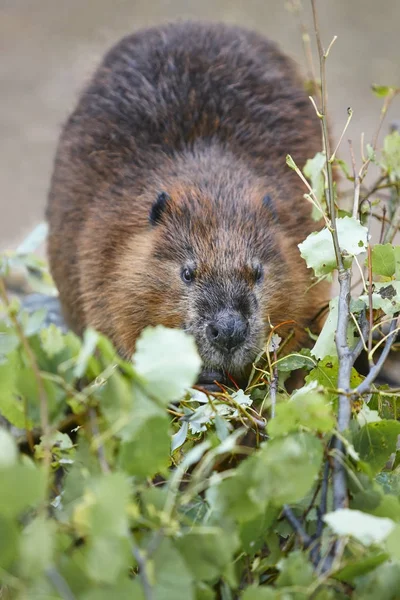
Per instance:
(221,271)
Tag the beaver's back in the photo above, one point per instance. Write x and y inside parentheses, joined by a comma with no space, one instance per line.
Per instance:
(160,93)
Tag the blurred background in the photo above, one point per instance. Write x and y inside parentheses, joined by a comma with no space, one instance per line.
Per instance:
(49,48)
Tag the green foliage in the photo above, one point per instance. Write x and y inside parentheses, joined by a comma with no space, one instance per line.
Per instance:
(118,479)
(318,251)
(386,260)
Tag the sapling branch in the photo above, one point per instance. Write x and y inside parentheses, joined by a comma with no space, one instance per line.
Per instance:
(143,572)
(365,385)
(60,584)
(345,356)
(350,114)
(304,538)
(97,439)
(322,113)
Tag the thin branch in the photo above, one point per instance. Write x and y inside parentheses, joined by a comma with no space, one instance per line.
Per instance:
(370,307)
(374,372)
(60,584)
(141,561)
(297,8)
(345,355)
(363,329)
(323,112)
(97,441)
(321,511)
(305,539)
(350,114)
(357,183)
(324,499)
(273,388)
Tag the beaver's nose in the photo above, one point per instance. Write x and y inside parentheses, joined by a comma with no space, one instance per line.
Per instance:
(228,330)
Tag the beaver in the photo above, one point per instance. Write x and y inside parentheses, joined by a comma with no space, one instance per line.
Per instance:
(171,203)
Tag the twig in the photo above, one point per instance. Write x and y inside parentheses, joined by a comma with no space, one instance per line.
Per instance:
(374,372)
(305,539)
(383,225)
(273,388)
(60,584)
(370,307)
(350,114)
(306,40)
(357,183)
(324,498)
(96,437)
(345,355)
(386,104)
(141,561)
(44,414)
(363,329)
(322,115)
(321,510)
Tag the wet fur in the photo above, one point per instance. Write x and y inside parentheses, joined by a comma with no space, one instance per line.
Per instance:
(205,113)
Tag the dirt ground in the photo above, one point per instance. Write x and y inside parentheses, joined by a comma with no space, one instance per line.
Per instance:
(48,49)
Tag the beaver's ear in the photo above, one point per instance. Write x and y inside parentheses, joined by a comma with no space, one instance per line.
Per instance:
(158,208)
(269,204)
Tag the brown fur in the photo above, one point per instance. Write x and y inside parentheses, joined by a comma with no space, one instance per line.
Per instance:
(205,113)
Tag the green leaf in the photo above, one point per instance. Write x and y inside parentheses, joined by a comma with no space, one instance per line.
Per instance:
(8,342)
(207,552)
(90,340)
(383,583)
(325,344)
(290,162)
(318,250)
(295,570)
(360,566)
(326,375)
(314,171)
(11,407)
(299,456)
(103,511)
(375,442)
(366,415)
(107,558)
(365,528)
(21,487)
(307,408)
(148,453)
(52,339)
(123,590)
(32,323)
(281,472)
(382,90)
(391,155)
(262,593)
(8,449)
(345,168)
(386,296)
(173,580)
(396,250)
(37,546)
(168,361)
(179,438)
(383,260)
(8,542)
(253,533)
(301,360)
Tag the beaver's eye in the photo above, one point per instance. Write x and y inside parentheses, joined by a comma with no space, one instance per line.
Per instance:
(258,273)
(187,275)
